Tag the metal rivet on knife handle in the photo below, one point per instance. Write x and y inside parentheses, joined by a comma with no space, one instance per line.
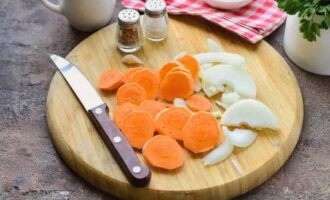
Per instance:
(98,111)
(137,169)
(117,139)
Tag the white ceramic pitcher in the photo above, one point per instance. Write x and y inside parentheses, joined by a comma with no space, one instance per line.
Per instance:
(84,15)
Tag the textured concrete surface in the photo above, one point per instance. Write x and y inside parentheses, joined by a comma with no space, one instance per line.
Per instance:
(31,169)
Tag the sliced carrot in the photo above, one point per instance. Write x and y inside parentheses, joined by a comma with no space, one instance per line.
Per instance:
(167,104)
(201,133)
(180,69)
(147,79)
(166,68)
(122,111)
(176,85)
(111,80)
(191,64)
(156,73)
(128,74)
(153,107)
(138,127)
(163,152)
(198,102)
(171,121)
(131,93)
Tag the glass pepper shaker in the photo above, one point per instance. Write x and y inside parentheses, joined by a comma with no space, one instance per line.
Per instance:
(129,33)
(155,20)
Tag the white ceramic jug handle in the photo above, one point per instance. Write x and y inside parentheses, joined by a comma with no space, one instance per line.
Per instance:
(52,6)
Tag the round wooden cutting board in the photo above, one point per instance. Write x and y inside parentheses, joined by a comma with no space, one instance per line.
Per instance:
(83,150)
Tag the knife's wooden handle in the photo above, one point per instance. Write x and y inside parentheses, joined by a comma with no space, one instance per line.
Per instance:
(138,174)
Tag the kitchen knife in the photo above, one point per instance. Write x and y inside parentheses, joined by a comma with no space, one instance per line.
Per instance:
(135,172)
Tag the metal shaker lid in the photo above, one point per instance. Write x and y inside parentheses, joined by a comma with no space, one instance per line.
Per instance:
(155,8)
(129,16)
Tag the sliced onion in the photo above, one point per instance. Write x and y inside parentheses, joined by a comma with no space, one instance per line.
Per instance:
(240,137)
(229,98)
(235,77)
(205,66)
(250,112)
(179,55)
(210,90)
(221,104)
(237,166)
(219,154)
(202,73)
(180,103)
(228,89)
(198,86)
(221,57)
(214,46)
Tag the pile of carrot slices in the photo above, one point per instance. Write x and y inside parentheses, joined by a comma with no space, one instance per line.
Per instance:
(147,117)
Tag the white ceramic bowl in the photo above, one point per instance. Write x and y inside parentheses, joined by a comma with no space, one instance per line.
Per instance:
(228,4)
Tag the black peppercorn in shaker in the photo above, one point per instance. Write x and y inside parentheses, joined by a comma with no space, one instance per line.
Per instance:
(129,32)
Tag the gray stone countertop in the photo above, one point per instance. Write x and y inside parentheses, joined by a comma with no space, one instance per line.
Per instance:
(30,168)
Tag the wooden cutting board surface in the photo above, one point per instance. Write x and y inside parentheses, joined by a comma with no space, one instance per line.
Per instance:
(83,150)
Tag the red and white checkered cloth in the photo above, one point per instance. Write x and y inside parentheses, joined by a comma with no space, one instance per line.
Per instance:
(252,22)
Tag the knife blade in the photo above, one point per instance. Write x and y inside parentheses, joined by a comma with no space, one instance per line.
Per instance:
(135,172)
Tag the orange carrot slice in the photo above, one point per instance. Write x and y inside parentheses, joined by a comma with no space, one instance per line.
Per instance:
(110,80)
(171,121)
(131,93)
(176,85)
(163,152)
(191,64)
(122,111)
(156,73)
(180,69)
(138,127)
(153,107)
(166,68)
(201,133)
(198,102)
(128,74)
(147,79)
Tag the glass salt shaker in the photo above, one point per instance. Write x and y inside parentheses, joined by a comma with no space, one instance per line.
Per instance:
(155,20)
(129,32)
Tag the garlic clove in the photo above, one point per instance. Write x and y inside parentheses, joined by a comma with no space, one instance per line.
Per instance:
(131,60)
